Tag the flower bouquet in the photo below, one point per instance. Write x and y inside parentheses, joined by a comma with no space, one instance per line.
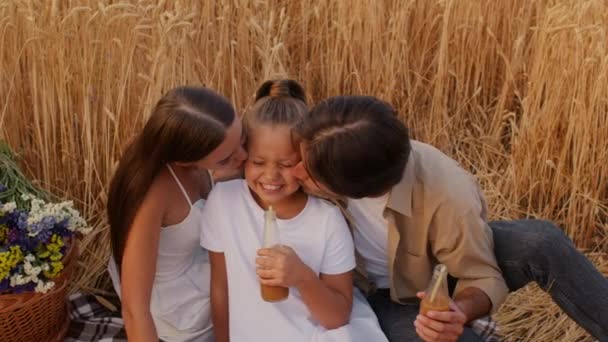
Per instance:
(34,242)
(37,253)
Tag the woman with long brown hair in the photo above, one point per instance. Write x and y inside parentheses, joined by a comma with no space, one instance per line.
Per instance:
(155,200)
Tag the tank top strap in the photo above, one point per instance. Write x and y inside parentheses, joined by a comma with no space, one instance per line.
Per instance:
(179,184)
(211,181)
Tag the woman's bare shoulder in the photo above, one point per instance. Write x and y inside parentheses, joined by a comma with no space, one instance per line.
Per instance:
(159,194)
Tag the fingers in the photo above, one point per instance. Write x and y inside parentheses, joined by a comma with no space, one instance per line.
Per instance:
(272,252)
(279,265)
(271,277)
(434,325)
(420,294)
(266,273)
(430,336)
(270,270)
(271,281)
(275,250)
(445,329)
(265,262)
(440,326)
(269,257)
(447,316)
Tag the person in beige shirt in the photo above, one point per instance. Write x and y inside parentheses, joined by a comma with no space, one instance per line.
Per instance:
(412,207)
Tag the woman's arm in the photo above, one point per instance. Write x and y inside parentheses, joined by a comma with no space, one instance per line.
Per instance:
(139,266)
(328,298)
(219,296)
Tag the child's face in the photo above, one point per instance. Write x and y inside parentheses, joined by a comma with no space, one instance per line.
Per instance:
(268,168)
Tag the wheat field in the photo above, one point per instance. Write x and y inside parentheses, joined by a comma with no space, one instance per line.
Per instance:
(515,90)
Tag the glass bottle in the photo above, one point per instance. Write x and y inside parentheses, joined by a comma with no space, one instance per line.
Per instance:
(271,239)
(436,296)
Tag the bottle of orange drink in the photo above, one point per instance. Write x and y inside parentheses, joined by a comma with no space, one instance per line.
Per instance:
(271,239)
(437,297)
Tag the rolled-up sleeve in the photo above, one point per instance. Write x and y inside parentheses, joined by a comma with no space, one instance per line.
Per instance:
(463,241)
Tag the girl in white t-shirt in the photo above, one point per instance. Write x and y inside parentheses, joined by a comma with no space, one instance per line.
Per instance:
(316,257)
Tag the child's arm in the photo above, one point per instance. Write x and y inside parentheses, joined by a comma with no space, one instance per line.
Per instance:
(219,296)
(329,298)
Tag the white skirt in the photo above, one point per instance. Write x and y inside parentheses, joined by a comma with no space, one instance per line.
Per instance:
(180,307)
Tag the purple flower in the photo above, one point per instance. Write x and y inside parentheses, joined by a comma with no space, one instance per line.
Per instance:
(61,228)
(37,228)
(13,236)
(49,221)
(2,189)
(29,287)
(22,220)
(16,219)
(21,239)
(43,229)
(4,284)
(44,236)
(18,269)
(29,244)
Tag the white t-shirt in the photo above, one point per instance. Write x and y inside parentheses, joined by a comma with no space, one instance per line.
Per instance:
(233,223)
(371,236)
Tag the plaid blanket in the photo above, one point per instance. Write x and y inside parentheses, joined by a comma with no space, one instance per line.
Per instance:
(486,328)
(91,321)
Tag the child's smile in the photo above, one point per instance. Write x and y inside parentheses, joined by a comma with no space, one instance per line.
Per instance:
(271,188)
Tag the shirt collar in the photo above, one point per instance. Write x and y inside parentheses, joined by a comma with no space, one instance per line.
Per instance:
(400,198)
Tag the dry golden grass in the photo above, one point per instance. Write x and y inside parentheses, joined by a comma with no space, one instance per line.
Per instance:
(516,90)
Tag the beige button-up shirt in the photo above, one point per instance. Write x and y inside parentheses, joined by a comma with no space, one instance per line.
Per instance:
(437,214)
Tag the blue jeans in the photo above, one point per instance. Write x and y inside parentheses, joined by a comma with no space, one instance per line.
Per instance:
(526,251)
(538,251)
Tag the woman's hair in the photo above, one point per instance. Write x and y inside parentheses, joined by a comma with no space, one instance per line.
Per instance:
(356,146)
(186,125)
(277,102)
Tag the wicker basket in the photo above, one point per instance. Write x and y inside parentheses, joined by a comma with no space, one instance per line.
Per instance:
(32,316)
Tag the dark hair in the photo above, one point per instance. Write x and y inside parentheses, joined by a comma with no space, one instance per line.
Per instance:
(186,125)
(356,145)
(277,102)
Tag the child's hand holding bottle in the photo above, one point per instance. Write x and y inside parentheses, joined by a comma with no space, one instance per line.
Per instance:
(281,266)
(278,266)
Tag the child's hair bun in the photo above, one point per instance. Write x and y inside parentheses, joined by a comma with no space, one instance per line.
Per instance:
(281,88)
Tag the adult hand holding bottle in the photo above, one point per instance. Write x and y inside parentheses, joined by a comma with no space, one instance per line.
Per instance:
(440,325)
(440,319)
